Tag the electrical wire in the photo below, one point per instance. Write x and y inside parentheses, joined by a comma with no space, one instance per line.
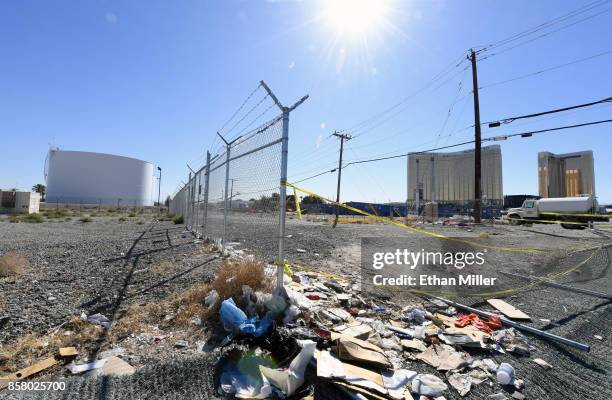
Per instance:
(544,25)
(487,139)
(545,70)
(557,110)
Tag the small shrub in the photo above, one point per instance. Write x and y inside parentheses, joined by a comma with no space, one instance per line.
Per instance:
(58,213)
(131,215)
(13,264)
(178,219)
(122,219)
(234,274)
(140,222)
(33,218)
(14,219)
(85,219)
(67,219)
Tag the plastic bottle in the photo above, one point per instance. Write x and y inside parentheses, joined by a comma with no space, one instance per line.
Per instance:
(505,374)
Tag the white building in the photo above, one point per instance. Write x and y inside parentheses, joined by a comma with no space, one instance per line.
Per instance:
(13,202)
(566,175)
(81,177)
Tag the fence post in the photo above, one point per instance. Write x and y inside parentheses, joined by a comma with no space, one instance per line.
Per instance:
(206,178)
(283,201)
(187,200)
(225,197)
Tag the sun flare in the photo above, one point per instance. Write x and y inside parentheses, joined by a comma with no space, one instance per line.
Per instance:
(350,17)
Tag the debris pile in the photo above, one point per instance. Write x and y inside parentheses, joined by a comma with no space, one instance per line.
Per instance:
(363,348)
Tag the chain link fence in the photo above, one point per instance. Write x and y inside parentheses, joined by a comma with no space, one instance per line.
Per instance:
(236,196)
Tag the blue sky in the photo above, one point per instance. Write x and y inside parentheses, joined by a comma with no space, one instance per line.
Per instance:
(155,79)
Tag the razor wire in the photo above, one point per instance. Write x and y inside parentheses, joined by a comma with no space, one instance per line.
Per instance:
(235,197)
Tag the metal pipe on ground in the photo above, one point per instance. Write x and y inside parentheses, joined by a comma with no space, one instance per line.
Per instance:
(560,285)
(526,328)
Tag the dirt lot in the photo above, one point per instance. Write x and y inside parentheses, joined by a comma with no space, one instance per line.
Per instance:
(107,266)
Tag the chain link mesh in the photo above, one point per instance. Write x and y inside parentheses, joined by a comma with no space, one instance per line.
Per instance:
(241,201)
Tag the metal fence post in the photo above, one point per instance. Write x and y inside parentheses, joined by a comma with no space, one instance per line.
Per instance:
(187,205)
(206,178)
(225,197)
(283,201)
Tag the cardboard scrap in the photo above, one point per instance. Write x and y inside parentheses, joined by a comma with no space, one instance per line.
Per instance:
(116,367)
(28,371)
(352,349)
(443,358)
(508,309)
(413,344)
(68,352)
(354,330)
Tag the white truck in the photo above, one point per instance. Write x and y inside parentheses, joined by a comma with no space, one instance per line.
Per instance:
(571,212)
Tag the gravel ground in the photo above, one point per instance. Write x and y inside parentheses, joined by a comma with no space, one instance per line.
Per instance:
(104,266)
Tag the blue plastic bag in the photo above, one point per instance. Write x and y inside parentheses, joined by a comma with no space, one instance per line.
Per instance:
(235,320)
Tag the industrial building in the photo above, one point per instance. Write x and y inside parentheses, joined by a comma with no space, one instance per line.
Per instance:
(15,202)
(448,178)
(81,177)
(566,175)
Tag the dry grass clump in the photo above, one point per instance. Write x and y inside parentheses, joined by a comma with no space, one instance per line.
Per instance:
(191,304)
(164,267)
(234,274)
(353,220)
(31,348)
(13,264)
(136,319)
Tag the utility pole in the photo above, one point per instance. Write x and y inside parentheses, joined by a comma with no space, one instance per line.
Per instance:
(477,139)
(343,137)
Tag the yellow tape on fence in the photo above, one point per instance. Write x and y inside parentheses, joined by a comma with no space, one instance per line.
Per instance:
(418,230)
(297,204)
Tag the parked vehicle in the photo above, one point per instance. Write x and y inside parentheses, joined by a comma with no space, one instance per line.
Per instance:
(571,212)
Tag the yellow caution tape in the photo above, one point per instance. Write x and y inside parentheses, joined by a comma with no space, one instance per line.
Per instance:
(297,204)
(418,230)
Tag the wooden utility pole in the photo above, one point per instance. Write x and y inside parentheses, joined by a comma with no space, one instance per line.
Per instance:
(477,140)
(343,137)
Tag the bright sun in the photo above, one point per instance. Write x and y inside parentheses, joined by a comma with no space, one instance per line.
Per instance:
(355,16)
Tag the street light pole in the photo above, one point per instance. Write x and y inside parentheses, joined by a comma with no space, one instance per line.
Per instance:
(159,191)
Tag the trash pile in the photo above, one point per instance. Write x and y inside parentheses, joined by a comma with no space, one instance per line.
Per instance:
(362,348)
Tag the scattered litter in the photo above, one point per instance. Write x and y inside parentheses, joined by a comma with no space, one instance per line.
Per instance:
(396,381)
(413,344)
(289,380)
(181,344)
(211,299)
(497,396)
(598,337)
(505,374)
(513,341)
(300,250)
(462,383)
(507,309)
(428,385)
(235,320)
(77,369)
(99,319)
(68,352)
(352,349)
(542,363)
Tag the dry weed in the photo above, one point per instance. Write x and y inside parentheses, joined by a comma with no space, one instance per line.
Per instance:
(164,267)
(135,319)
(234,274)
(13,264)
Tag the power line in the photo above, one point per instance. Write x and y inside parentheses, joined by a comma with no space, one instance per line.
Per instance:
(487,139)
(545,25)
(546,70)
(546,34)
(493,124)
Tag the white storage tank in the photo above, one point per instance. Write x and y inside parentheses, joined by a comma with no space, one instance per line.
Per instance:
(82,177)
